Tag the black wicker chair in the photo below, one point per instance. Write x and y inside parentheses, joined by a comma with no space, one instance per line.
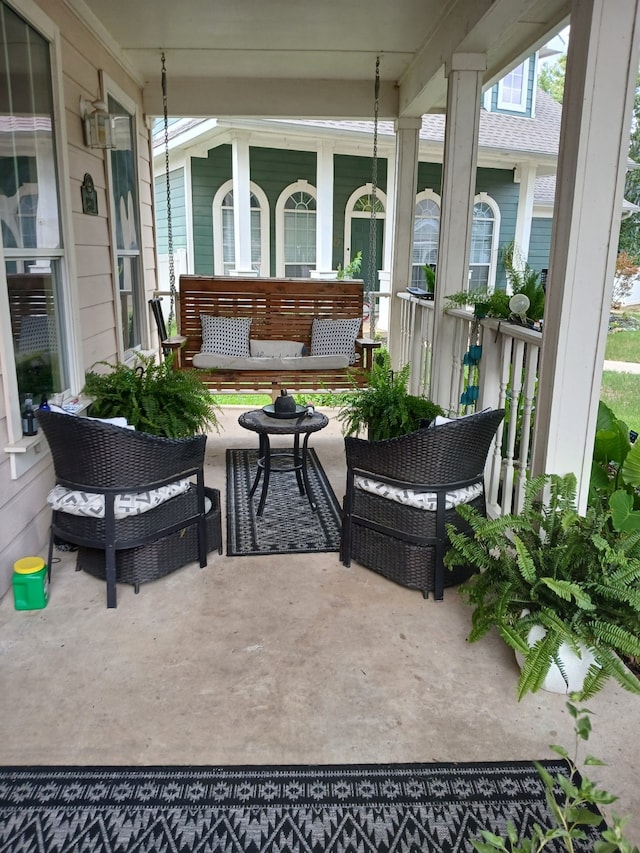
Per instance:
(100,458)
(405,543)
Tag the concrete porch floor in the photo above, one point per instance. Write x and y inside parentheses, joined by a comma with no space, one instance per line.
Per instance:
(285,659)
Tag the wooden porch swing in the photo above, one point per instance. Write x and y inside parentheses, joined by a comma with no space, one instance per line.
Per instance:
(273,314)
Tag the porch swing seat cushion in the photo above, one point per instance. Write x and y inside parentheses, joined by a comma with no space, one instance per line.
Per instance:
(212,361)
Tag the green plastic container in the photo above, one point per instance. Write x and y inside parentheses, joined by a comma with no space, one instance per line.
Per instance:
(30,583)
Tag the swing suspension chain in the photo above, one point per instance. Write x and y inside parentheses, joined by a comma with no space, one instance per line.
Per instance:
(172,274)
(372,222)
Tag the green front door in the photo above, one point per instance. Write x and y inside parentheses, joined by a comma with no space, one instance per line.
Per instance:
(360,243)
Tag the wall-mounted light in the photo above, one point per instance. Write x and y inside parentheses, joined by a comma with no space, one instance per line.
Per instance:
(98,124)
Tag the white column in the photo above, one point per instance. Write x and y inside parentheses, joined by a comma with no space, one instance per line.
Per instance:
(384,275)
(241,207)
(525,175)
(464,93)
(602,65)
(405,183)
(324,214)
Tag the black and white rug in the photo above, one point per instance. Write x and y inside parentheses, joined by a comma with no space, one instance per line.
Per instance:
(288,525)
(438,808)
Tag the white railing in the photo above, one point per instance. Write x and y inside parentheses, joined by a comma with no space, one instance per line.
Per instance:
(507,378)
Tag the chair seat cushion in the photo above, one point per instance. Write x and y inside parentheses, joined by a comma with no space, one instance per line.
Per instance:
(91,505)
(419,500)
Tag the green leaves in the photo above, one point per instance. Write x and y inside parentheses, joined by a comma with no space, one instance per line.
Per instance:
(384,407)
(575,812)
(575,576)
(153,397)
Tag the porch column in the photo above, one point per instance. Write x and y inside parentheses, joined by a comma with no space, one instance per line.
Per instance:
(384,275)
(324,214)
(241,207)
(404,207)
(525,175)
(602,67)
(464,93)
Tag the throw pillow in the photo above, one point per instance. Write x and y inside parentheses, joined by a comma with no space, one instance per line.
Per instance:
(225,335)
(439,420)
(335,337)
(276,349)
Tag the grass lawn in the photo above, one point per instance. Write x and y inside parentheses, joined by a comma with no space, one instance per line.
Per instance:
(621,392)
(623,345)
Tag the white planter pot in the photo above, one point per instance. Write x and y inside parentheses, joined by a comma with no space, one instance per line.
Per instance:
(575,667)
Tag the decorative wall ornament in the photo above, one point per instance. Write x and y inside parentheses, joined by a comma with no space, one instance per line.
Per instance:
(89,196)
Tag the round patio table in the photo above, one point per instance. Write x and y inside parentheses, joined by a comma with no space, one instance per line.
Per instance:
(288,459)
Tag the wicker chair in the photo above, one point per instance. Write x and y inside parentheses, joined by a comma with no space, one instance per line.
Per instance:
(90,456)
(405,543)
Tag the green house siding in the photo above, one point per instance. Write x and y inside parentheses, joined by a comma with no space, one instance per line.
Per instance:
(496,183)
(207,176)
(499,185)
(273,169)
(349,173)
(540,243)
(178,211)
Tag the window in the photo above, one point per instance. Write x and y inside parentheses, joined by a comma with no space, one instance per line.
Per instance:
(513,89)
(296,222)
(124,200)
(426,233)
(224,230)
(484,235)
(29,212)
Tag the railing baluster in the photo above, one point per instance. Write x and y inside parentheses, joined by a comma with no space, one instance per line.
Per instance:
(508,369)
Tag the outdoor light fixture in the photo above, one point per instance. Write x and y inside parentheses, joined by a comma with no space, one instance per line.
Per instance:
(519,305)
(98,124)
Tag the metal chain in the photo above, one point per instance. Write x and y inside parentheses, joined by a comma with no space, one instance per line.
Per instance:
(372,222)
(172,274)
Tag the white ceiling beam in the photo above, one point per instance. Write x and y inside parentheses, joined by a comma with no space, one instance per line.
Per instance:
(327,99)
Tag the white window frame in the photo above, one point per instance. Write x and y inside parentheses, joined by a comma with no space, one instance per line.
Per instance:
(24,452)
(425,195)
(350,213)
(521,106)
(483,198)
(109,87)
(298,186)
(265,260)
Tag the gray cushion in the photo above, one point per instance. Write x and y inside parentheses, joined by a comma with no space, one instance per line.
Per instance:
(277,349)
(211,361)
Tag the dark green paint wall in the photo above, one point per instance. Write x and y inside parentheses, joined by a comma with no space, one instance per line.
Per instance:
(273,169)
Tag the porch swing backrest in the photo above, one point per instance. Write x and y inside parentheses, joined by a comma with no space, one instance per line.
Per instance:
(280,309)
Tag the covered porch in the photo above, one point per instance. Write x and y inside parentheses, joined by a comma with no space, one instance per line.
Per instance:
(275,660)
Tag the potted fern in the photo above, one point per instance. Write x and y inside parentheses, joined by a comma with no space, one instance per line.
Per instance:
(384,408)
(153,397)
(552,581)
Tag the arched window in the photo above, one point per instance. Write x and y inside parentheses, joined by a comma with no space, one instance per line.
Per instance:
(357,230)
(426,233)
(296,231)
(484,238)
(224,249)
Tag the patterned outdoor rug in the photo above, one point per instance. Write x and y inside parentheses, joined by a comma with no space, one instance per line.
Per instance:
(288,525)
(377,808)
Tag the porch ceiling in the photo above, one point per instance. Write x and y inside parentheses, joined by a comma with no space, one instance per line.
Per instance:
(289,58)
